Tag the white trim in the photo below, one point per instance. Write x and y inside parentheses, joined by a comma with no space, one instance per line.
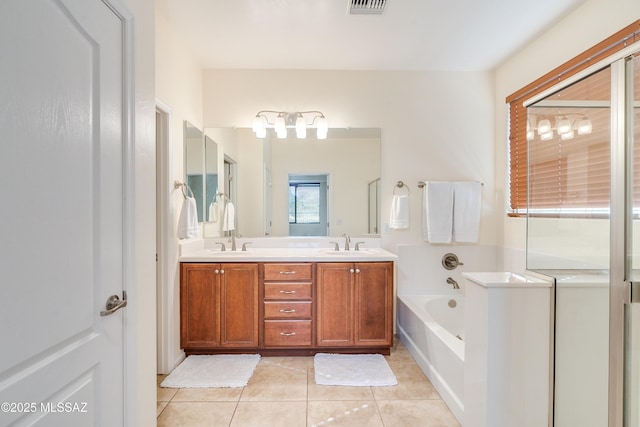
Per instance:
(584,73)
(164,247)
(129,216)
(617,287)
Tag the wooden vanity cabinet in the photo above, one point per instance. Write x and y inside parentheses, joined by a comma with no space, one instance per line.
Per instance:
(288,305)
(283,308)
(354,304)
(218,305)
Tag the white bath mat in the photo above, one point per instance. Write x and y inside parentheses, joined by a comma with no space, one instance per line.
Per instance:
(359,370)
(222,370)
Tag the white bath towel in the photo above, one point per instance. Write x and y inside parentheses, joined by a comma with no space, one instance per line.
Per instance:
(437,212)
(399,212)
(228,218)
(188,222)
(467,206)
(213,212)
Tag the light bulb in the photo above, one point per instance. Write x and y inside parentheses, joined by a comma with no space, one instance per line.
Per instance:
(567,135)
(564,126)
(322,128)
(301,127)
(584,127)
(544,126)
(257,124)
(282,133)
(546,136)
(280,125)
(530,135)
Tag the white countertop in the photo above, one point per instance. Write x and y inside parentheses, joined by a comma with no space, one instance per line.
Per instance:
(300,251)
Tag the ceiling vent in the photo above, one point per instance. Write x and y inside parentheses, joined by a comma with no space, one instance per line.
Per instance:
(367,7)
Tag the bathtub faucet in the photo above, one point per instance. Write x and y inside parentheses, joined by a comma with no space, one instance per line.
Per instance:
(453,283)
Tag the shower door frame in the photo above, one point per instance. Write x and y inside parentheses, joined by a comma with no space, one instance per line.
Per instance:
(620,225)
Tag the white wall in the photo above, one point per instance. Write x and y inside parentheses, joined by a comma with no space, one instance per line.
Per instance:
(435,125)
(178,85)
(589,24)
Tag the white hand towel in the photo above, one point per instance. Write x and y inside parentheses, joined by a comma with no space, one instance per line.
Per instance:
(188,222)
(399,212)
(228,218)
(467,207)
(213,212)
(437,212)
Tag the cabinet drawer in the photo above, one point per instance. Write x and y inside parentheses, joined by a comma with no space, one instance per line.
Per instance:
(282,291)
(287,310)
(294,333)
(287,271)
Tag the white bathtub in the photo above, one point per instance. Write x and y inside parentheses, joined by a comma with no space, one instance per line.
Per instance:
(433,332)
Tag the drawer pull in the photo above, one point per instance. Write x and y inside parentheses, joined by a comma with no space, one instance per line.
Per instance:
(287,272)
(287,292)
(291,310)
(287,334)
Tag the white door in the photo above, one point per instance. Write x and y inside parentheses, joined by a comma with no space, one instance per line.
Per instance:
(62,143)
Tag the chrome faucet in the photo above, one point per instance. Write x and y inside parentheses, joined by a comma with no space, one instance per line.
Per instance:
(453,283)
(347,240)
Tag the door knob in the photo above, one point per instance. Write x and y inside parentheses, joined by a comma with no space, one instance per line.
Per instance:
(114,304)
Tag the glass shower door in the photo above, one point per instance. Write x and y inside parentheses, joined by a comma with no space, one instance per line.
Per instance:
(632,311)
(568,237)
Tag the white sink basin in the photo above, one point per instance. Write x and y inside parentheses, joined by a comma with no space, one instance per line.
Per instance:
(218,252)
(348,253)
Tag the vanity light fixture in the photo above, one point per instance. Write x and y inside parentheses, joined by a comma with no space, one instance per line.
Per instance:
(565,126)
(280,121)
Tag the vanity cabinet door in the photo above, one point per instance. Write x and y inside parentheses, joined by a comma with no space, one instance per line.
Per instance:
(335,296)
(355,304)
(238,305)
(373,308)
(218,306)
(199,306)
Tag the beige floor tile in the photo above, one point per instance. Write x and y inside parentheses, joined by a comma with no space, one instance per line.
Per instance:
(272,414)
(220,394)
(354,413)
(324,392)
(160,407)
(277,381)
(416,413)
(196,414)
(399,354)
(165,394)
(412,384)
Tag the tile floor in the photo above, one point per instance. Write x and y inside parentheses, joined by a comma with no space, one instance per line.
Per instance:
(282,392)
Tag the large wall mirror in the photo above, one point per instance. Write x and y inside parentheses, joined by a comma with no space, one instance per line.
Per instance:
(201,170)
(303,187)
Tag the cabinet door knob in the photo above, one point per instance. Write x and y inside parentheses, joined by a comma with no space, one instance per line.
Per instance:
(351,270)
(221,271)
(216,271)
(357,270)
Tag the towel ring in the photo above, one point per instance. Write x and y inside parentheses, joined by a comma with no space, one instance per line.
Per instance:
(182,186)
(400,184)
(421,184)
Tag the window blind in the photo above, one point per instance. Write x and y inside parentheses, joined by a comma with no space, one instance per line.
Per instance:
(585,188)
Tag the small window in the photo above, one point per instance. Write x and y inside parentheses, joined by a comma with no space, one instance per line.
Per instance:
(304,203)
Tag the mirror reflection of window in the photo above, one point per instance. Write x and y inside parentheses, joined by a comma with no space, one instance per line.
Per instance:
(308,205)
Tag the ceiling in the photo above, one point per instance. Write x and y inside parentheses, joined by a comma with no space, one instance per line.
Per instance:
(463,35)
